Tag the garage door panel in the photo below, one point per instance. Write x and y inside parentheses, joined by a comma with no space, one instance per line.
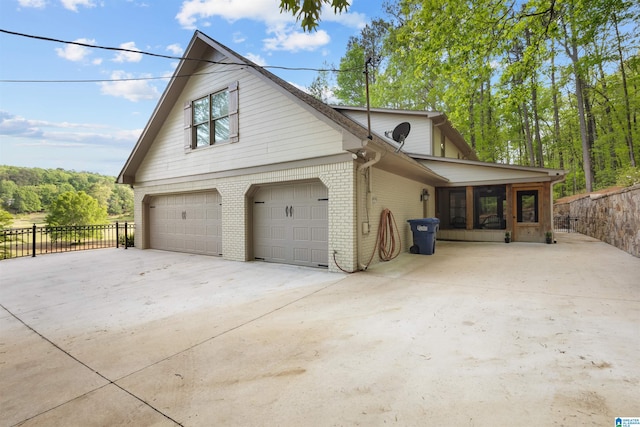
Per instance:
(301,255)
(301,233)
(319,234)
(291,223)
(186,223)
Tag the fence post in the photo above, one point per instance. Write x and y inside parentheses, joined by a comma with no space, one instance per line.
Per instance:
(126,236)
(117,235)
(33,240)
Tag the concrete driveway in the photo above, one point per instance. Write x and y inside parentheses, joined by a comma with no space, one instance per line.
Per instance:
(478,334)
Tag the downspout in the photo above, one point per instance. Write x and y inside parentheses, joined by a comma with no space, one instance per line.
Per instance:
(362,170)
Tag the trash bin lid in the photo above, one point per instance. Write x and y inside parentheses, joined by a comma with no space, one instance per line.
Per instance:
(424,221)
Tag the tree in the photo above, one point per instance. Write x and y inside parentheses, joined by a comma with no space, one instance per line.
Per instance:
(70,212)
(26,200)
(321,87)
(76,208)
(5,219)
(308,13)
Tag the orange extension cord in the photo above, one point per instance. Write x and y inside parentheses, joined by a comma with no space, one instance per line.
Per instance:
(385,241)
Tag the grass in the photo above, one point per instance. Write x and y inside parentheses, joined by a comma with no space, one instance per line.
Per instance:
(38,218)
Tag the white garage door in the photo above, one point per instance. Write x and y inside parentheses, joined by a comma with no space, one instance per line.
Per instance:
(290,224)
(186,223)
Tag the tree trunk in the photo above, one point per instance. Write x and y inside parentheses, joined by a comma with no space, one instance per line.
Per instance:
(536,121)
(556,118)
(628,133)
(571,47)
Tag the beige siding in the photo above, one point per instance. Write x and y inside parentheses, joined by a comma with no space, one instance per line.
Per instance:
(272,129)
(401,196)
(419,139)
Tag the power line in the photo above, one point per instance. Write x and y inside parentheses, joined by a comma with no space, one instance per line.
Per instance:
(126,79)
(141,52)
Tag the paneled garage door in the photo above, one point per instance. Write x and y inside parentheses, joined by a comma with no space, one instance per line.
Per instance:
(290,224)
(186,223)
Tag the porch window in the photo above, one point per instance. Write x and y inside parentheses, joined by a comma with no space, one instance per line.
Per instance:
(452,206)
(489,206)
(527,206)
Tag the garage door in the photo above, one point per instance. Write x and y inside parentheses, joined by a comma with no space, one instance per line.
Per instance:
(186,223)
(290,224)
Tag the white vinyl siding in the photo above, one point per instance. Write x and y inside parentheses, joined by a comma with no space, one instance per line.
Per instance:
(272,128)
(419,140)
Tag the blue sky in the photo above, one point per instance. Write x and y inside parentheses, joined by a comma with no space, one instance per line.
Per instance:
(93,126)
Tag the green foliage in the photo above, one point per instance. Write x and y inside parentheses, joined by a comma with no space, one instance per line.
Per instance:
(26,199)
(128,240)
(5,218)
(24,190)
(73,209)
(505,74)
(628,177)
(308,11)
(76,208)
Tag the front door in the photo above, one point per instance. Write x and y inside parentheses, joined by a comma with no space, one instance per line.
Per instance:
(527,218)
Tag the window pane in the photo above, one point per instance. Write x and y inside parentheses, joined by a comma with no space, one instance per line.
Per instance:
(489,207)
(202,135)
(527,206)
(201,111)
(222,129)
(219,104)
(458,209)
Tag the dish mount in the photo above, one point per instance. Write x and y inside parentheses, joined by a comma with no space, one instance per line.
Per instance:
(400,133)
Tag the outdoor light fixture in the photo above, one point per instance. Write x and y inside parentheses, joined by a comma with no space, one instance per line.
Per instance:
(424,196)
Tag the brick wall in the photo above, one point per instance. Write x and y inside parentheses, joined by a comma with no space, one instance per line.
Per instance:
(236,244)
(613,217)
(401,196)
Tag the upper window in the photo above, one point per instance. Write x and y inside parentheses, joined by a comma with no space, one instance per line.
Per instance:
(212,119)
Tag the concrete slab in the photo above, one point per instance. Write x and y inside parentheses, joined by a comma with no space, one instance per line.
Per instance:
(476,334)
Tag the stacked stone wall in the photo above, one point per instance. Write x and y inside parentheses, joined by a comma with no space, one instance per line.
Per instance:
(613,218)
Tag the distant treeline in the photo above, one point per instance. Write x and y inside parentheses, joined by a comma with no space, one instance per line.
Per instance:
(28,190)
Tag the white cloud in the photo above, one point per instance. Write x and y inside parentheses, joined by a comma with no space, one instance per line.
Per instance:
(73,52)
(73,4)
(238,37)
(133,90)
(175,48)
(38,4)
(348,19)
(231,10)
(256,58)
(296,41)
(128,56)
(287,33)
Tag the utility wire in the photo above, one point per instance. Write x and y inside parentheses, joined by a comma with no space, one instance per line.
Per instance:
(157,55)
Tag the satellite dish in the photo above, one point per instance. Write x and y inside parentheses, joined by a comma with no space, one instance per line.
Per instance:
(400,133)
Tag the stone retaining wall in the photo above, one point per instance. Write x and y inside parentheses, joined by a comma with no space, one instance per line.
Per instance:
(613,217)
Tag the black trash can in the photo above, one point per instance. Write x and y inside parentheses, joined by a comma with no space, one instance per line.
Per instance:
(424,235)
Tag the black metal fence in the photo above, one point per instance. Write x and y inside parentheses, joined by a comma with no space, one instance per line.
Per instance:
(565,223)
(19,242)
